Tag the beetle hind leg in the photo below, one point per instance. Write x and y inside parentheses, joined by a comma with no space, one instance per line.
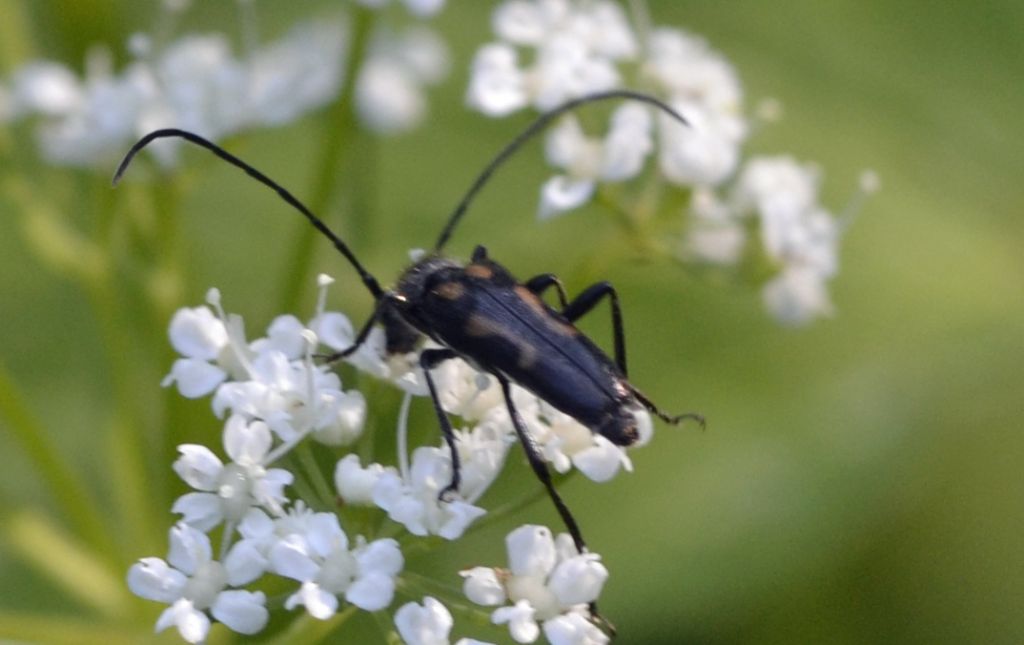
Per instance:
(540,468)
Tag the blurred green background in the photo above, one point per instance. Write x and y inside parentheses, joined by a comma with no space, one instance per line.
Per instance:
(859,481)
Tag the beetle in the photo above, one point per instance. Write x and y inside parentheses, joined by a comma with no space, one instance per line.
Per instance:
(481,313)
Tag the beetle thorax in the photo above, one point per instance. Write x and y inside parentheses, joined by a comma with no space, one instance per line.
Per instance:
(417,279)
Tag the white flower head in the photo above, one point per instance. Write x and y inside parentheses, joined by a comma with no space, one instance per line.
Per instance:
(196,587)
(576,47)
(319,556)
(229,491)
(547,582)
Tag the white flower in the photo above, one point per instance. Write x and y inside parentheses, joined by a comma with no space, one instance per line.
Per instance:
(547,581)
(566,443)
(716,233)
(389,92)
(577,47)
(483,586)
(702,86)
(46,88)
(200,337)
(414,502)
(573,628)
(520,620)
(196,83)
(195,587)
(797,295)
(228,492)
(426,624)
(354,483)
(319,557)
(496,86)
(797,234)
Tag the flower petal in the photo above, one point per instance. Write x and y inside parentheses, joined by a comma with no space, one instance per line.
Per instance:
(578,580)
(192,624)
(380,556)
(200,510)
(318,603)
(194,377)
(242,611)
(371,592)
(198,466)
(246,443)
(521,624)
(244,563)
(197,333)
(573,629)
(483,587)
(561,193)
(531,550)
(190,548)
(426,624)
(154,579)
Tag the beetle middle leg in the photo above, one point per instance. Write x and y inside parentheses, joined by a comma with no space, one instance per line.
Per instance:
(429,359)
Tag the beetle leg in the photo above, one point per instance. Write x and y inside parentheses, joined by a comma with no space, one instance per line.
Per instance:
(429,359)
(586,301)
(667,418)
(539,467)
(539,284)
(363,334)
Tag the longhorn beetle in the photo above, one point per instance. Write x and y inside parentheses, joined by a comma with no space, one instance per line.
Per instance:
(479,312)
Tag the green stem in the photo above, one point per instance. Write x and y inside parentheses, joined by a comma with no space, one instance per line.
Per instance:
(307,629)
(68,490)
(341,121)
(321,488)
(127,448)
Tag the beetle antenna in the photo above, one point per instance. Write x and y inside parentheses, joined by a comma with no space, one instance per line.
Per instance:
(368,279)
(537,126)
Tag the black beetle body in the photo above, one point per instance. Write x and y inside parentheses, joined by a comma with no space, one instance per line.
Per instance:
(483,314)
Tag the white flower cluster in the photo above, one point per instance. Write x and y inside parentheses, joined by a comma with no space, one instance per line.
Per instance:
(198,83)
(546,581)
(578,47)
(273,395)
(777,196)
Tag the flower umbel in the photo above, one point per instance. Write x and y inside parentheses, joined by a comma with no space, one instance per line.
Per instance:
(548,582)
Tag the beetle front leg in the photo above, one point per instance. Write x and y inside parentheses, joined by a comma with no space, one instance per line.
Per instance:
(364,331)
(429,359)
(586,301)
